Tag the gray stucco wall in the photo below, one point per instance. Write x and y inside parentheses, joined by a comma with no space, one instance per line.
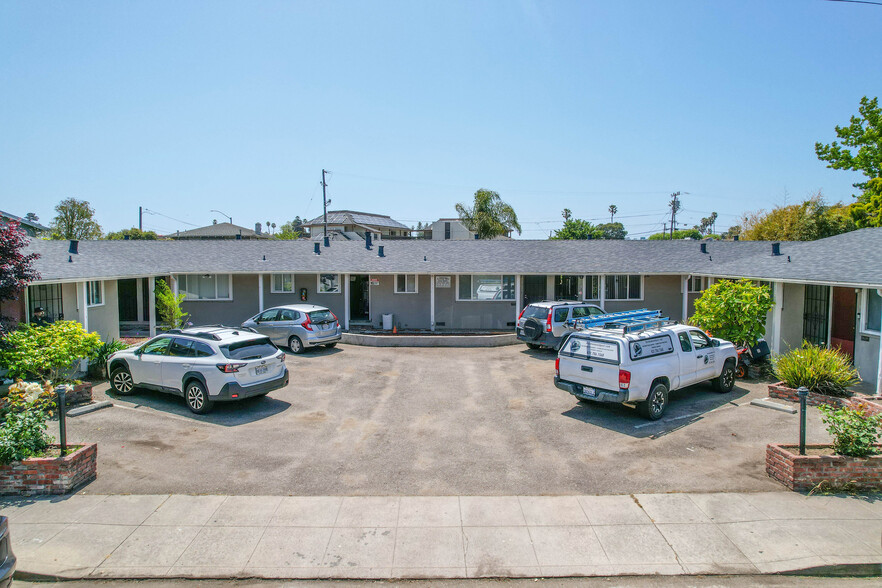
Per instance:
(490,314)
(409,310)
(226,312)
(70,301)
(335,302)
(791,316)
(659,292)
(104,319)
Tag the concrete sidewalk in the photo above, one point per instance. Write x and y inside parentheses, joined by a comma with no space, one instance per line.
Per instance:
(155,536)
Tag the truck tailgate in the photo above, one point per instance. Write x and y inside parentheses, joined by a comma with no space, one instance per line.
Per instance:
(590,362)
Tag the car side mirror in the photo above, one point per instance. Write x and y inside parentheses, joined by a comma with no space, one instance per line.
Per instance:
(139,351)
(715,342)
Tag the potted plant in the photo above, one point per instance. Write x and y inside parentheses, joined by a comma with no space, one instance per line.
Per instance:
(29,461)
(827,373)
(852,462)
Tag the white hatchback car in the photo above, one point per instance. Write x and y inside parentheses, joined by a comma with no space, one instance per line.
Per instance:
(203,364)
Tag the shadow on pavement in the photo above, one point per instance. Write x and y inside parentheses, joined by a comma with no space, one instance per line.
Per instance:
(540,354)
(685,407)
(227,414)
(313,352)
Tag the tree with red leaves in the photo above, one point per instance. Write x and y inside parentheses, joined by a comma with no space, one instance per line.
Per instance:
(16,268)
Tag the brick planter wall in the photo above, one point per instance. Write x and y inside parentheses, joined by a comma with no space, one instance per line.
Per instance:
(78,394)
(804,472)
(869,404)
(50,475)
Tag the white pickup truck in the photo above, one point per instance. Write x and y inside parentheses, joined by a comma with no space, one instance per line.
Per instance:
(606,364)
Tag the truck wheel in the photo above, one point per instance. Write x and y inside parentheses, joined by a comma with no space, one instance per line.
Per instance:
(726,380)
(655,404)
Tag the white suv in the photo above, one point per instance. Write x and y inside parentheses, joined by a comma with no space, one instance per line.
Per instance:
(203,364)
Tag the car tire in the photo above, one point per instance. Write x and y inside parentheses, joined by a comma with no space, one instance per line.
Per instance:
(196,397)
(726,380)
(121,381)
(533,329)
(331,345)
(534,346)
(295,344)
(655,404)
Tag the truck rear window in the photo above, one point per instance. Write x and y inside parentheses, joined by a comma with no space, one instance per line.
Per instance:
(593,349)
(251,349)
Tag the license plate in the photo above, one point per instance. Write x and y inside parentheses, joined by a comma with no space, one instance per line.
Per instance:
(261,369)
(589,391)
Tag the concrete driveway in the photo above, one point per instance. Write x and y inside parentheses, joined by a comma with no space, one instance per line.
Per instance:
(394,421)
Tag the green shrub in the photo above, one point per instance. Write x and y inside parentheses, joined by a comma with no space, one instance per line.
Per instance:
(821,370)
(854,433)
(23,434)
(47,352)
(169,306)
(734,311)
(99,363)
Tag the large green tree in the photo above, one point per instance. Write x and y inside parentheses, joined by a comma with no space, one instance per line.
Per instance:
(74,219)
(807,221)
(290,230)
(578,229)
(133,234)
(488,216)
(864,135)
(867,212)
(678,234)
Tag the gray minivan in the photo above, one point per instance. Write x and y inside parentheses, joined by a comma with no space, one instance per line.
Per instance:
(543,324)
(298,326)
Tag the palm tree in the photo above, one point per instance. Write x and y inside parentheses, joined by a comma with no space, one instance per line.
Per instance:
(613,209)
(489,216)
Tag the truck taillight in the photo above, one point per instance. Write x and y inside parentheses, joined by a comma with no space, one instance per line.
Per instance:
(557,367)
(624,379)
(230,368)
(548,321)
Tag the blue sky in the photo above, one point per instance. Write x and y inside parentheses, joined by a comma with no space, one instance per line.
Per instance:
(184,107)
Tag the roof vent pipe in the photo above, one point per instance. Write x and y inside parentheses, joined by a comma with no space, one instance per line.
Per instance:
(74,247)
(367,240)
(318,250)
(776,249)
(380,252)
(327,241)
(735,237)
(239,237)
(704,247)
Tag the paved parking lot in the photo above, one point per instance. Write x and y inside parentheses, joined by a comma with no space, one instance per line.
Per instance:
(393,421)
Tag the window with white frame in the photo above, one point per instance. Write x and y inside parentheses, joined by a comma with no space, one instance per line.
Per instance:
(485,287)
(282,283)
(206,286)
(328,284)
(696,284)
(623,287)
(592,287)
(405,283)
(94,293)
(873,311)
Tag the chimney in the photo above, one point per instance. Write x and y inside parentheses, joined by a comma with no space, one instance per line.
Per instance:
(318,249)
(239,237)
(380,252)
(704,247)
(257,228)
(74,247)
(735,237)
(776,249)
(367,240)
(327,241)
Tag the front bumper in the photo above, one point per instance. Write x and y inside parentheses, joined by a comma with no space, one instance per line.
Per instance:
(600,394)
(231,388)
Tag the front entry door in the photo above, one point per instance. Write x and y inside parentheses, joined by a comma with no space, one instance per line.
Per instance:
(359,297)
(127,292)
(534,289)
(814,317)
(844,318)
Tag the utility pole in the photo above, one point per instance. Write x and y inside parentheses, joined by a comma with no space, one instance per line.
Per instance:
(140,218)
(325,201)
(675,206)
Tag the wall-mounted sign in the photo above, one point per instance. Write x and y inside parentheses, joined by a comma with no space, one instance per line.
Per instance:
(375,281)
(442,281)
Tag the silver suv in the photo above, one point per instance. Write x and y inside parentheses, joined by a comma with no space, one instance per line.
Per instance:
(203,364)
(543,324)
(298,326)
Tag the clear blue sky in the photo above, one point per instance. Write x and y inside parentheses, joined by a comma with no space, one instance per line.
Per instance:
(183,107)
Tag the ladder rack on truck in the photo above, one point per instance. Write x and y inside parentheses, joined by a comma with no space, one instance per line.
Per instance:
(638,324)
(601,320)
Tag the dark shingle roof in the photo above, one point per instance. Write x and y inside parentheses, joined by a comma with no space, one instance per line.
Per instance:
(217,231)
(32,224)
(340,217)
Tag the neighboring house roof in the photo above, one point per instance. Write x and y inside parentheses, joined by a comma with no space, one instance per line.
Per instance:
(351,217)
(218,231)
(850,259)
(27,223)
(120,259)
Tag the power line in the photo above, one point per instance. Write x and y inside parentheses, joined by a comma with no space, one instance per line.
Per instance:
(857,2)
(148,211)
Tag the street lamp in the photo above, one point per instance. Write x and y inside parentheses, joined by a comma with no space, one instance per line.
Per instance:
(224,214)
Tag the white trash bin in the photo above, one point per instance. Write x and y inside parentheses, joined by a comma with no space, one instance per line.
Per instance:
(387,322)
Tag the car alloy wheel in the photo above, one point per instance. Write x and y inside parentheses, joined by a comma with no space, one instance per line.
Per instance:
(195,397)
(122,382)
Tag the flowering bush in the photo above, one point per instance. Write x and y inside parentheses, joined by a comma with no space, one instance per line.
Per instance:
(47,352)
(27,408)
(854,432)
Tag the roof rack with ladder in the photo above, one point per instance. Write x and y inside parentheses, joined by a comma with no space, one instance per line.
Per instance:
(629,321)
